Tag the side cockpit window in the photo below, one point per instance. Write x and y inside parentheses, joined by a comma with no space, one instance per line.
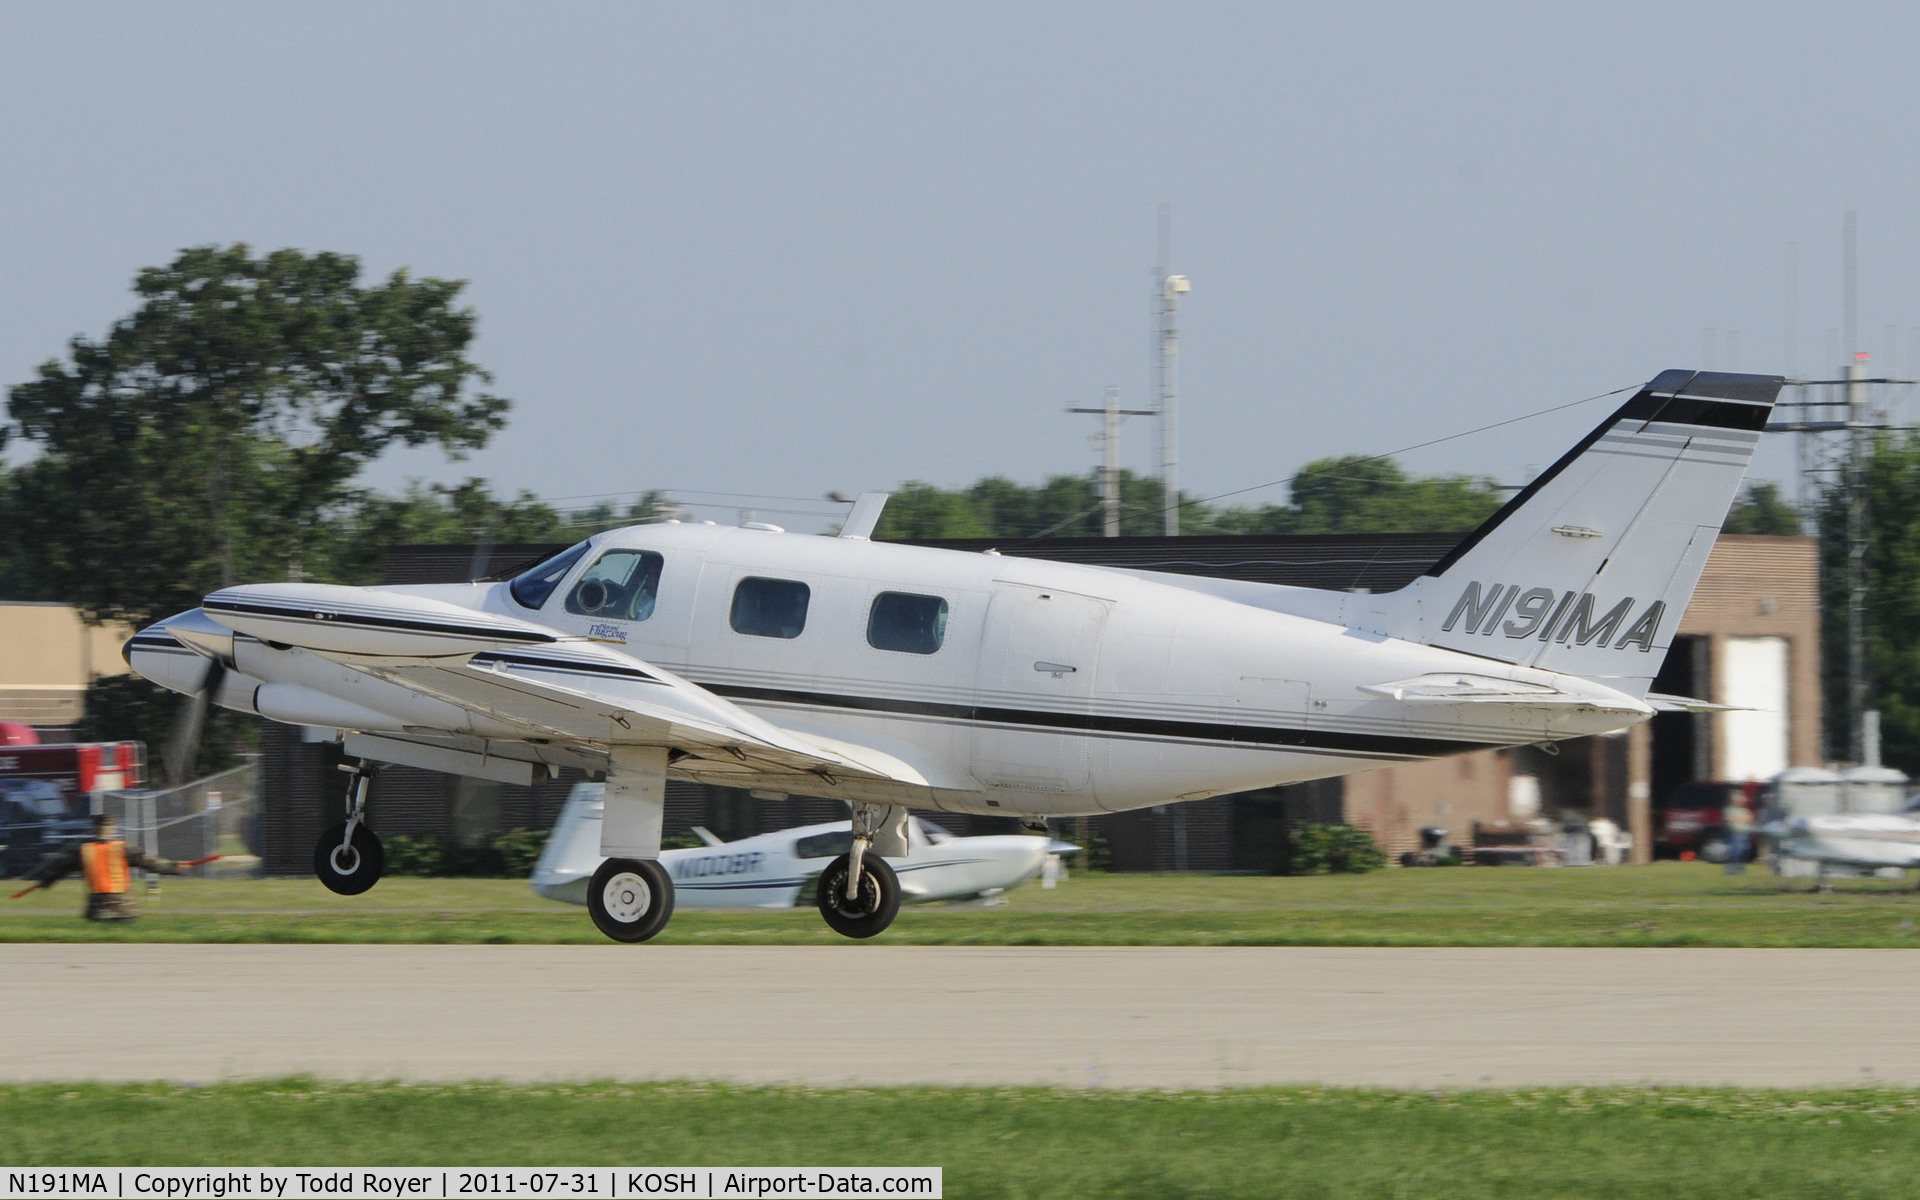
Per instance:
(530,589)
(823,845)
(622,585)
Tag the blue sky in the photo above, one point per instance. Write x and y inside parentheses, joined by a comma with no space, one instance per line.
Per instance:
(778,250)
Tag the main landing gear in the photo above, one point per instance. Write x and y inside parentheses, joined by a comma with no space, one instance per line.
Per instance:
(630,899)
(859,894)
(348,858)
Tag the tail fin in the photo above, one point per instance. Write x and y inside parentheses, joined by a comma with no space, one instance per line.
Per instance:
(1588,569)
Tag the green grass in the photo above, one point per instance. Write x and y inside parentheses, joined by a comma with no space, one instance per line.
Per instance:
(1293,1142)
(1670,904)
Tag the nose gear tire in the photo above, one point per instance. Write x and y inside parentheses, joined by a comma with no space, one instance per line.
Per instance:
(630,899)
(877,902)
(349,870)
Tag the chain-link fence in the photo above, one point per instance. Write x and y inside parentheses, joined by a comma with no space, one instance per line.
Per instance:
(216,815)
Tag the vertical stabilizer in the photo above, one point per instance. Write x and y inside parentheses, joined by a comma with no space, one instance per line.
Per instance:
(1588,570)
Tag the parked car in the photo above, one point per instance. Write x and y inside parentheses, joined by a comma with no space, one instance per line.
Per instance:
(1692,820)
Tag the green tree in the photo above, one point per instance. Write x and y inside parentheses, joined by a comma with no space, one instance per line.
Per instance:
(210,436)
(1762,509)
(1338,495)
(1358,494)
(919,510)
(1893,602)
(12,586)
(353,544)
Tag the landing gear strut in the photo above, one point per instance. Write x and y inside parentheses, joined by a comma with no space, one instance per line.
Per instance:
(859,894)
(348,858)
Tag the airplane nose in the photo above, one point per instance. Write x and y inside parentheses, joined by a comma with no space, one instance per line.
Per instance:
(174,653)
(196,629)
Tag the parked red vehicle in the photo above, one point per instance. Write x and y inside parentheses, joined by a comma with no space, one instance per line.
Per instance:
(44,790)
(1691,821)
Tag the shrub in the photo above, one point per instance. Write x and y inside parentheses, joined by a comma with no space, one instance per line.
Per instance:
(414,855)
(508,855)
(1095,854)
(519,849)
(1333,850)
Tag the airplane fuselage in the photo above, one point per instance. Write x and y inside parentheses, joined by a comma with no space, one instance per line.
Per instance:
(1046,689)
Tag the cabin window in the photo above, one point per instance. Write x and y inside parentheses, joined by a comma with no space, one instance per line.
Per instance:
(906,622)
(530,589)
(775,608)
(621,586)
(824,845)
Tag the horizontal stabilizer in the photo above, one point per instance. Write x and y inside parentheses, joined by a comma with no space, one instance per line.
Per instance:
(1665,703)
(1453,688)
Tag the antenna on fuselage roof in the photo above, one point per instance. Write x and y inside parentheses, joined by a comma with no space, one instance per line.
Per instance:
(865,516)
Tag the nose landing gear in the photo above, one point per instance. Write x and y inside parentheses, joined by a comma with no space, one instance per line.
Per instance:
(859,894)
(348,859)
(875,898)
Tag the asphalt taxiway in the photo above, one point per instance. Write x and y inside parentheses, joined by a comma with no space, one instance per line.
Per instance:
(1133,1017)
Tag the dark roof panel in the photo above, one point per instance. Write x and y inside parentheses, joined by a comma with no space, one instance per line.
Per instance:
(1379,562)
(1340,562)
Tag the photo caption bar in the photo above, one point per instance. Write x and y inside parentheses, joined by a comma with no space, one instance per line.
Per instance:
(463,1183)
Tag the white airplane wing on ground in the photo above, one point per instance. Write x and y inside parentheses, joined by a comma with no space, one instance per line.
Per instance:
(1866,840)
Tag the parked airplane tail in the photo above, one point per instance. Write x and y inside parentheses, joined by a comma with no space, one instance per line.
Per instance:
(1588,569)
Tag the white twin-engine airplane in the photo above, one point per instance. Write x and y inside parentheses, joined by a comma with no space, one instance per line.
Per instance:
(772,870)
(897,676)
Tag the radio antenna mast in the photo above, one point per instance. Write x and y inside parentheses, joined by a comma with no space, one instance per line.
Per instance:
(1167,290)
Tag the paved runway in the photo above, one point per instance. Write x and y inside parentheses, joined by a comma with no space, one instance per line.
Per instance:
(1134,1017)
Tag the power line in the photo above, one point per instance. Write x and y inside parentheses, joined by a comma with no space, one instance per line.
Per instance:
(1368,458)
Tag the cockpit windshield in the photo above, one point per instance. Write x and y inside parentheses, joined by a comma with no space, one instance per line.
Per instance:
(530,589)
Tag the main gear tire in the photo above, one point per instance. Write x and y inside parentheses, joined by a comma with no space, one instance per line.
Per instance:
(349,869)
(630,899)
(875,903)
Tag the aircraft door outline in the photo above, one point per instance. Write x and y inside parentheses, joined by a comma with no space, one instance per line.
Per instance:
(1039,652)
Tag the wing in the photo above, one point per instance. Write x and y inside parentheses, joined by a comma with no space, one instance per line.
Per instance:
(539,682)
(581,691)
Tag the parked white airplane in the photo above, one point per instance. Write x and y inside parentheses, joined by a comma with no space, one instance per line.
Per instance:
(1854,822)
(890,675)
(771,870)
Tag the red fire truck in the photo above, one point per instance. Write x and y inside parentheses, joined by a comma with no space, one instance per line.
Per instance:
(44,791)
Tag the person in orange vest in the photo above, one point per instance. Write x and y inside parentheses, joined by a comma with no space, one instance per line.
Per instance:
(104,861)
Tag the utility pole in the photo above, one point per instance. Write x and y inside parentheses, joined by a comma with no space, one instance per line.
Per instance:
(1168,288)
(1860,447)
(1111,412)
(1837,424)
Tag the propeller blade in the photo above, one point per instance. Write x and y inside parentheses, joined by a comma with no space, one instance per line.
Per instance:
(184,748)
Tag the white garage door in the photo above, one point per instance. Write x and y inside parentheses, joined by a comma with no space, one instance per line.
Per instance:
(1755,678)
